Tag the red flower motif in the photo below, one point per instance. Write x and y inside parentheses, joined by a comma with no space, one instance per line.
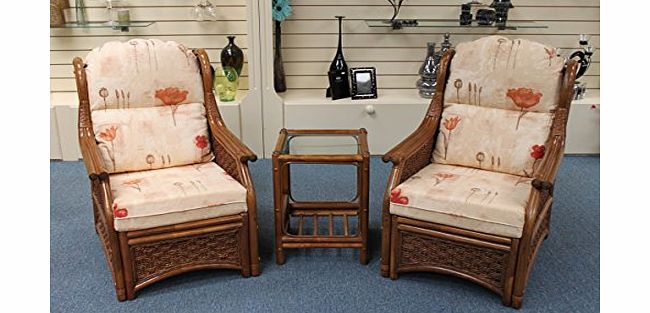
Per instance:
(119,213)
(395,197)
(171,95)
(451,122)
(201,141)
(524,98)
(537,151)
(444,175)
(109,134)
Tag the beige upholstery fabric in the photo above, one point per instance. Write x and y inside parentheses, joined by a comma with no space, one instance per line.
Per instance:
(468,198)
(498,72)
(151,138)
(142,73)
(492,139)
(498,105)
(174,195)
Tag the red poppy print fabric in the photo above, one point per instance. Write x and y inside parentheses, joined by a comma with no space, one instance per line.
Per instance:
(142,73)
(147,199)
(152,138)
(492,139)
(511,74)
(465,197)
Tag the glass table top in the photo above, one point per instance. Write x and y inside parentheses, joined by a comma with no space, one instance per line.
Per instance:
(321,144)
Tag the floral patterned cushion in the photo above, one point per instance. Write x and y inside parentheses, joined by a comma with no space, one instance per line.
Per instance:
(142,73)
(492,139)
(174,195)
(469,198)
(152,138)
(498,72)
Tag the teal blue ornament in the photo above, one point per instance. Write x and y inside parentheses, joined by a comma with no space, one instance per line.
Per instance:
(281,10)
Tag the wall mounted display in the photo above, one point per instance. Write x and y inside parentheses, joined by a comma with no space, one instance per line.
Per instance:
(338,73)
(494,14)
(364,83)
(281,10)
(232,56)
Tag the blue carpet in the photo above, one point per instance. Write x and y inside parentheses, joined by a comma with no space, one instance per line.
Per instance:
(565,278)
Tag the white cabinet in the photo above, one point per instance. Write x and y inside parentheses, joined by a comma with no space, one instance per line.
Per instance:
(583,130)
(396,113)
(388,119)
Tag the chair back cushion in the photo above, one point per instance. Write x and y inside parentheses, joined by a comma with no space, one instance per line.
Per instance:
(498,105)
(142,73)
(151,138)
(146,98)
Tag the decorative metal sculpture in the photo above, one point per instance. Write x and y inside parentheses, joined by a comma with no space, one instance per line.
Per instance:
(501,8)
(583,56)
(399,24)
(429,70)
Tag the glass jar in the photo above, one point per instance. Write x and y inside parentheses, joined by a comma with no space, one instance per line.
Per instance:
(226,83)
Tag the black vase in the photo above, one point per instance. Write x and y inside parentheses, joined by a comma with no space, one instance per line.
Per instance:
(232,56)
(279,81)
(338,74)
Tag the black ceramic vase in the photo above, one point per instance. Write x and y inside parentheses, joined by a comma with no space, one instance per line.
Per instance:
(338,74)
(279,81)
(232,56)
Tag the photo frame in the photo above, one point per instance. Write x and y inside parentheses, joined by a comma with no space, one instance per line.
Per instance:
(364,83)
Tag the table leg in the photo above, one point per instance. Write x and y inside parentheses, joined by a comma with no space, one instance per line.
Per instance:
(363,188)
(278,210)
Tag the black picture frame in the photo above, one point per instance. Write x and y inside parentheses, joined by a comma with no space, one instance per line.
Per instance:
(364,83)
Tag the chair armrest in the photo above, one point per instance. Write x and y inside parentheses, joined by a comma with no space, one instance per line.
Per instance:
(414,152)
(90,153)
(230,153)
(231,144)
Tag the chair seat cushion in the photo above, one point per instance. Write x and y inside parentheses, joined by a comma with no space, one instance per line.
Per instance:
(468,198)
(174,195)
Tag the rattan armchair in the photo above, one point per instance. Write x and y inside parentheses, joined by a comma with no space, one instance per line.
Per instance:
(495,257)
(158,244)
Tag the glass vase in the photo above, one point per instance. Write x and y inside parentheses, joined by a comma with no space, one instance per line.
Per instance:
(226,83)
(232,56)
(80,12)
(428,71)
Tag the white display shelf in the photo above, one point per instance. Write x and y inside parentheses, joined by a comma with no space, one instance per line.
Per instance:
(384,96)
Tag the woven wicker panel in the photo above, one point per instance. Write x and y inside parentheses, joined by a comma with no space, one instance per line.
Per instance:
(226,161)
(485,264)
(103,236)
(417,161)
(157,258)
(539,236)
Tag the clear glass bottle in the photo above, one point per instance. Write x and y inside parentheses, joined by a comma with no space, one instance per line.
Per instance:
(80,12)
(428,71)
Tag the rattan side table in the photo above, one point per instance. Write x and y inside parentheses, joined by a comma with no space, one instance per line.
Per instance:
(292,217)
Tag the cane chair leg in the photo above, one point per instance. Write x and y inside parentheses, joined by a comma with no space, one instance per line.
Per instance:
(393,249)
(244,245)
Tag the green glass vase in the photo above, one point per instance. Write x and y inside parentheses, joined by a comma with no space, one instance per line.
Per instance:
(226,83)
